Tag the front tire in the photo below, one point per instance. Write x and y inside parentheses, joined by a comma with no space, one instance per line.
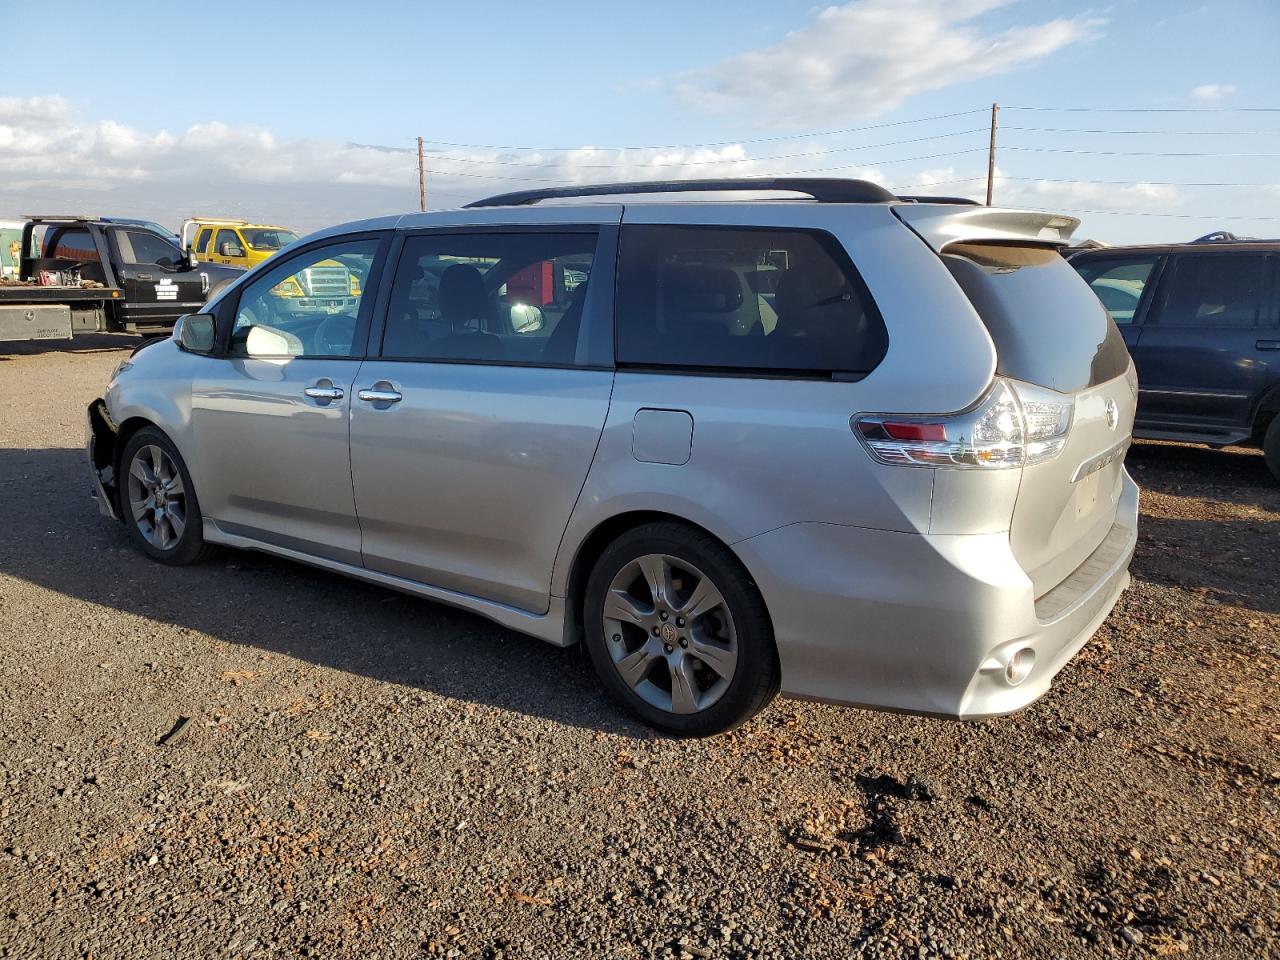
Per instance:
(678,632)
(158,500)
(1271,446)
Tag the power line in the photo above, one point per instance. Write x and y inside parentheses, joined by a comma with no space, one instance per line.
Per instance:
(1108,183)
(695,163)
(1138,213)
(1147,109)
(1168,133)
(717,143)
(1137,153)
(789,173)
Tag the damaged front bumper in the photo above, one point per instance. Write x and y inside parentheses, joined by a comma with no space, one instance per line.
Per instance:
(100,448)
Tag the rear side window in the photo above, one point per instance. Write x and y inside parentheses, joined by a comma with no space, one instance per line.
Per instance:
(1047,325)
(71,244)
(743,299)
(202,240)
(1118,283)
(1216,291)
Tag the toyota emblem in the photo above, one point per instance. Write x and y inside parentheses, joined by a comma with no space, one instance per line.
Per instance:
(1113,413)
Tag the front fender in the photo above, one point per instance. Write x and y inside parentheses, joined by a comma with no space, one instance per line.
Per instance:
(154,387)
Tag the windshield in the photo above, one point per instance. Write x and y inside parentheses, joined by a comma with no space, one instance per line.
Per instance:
(268,238)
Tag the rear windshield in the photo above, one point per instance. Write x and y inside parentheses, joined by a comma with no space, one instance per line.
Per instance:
(1047,325)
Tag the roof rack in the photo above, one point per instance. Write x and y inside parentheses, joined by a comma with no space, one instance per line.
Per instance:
(64,217)
(822,189)
(961,201)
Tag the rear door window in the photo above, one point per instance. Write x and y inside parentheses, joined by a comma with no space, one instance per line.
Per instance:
(1047,325)
(202,240)
(1218,291)
(498,297)
(732,299)
(1119,282)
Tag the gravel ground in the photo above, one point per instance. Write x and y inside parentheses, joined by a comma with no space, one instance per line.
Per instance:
(370,775)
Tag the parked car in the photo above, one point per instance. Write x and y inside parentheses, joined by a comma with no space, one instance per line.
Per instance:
(908,494)
(1202,321)
(87,274)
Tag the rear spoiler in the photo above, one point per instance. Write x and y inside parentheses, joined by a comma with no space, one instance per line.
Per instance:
(940,225)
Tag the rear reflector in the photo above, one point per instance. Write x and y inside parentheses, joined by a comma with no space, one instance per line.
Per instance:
(915,431)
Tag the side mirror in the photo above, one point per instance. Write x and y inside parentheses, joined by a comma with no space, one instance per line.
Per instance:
(190,259)
(526,318)
(195,332)
(229,249)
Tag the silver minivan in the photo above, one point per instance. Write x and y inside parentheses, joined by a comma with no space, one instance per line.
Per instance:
(850,446)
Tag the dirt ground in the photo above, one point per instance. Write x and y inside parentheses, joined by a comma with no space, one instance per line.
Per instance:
(369,775)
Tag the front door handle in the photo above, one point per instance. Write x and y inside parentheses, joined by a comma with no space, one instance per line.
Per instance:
(324,391)
(1268,344)
(380,393)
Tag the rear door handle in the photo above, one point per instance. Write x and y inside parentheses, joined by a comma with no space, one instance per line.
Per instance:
(381,392)
(145,276)
(1268,344)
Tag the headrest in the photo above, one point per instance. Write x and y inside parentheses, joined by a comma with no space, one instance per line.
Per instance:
(462,294)
(810,283)
(698,288)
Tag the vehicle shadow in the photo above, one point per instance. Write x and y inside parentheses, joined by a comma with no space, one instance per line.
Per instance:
(84,343)
(1228,475)
(1234,558)
(1233,561)
(54,536)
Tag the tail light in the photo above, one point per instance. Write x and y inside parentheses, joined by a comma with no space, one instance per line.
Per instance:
(1013,425)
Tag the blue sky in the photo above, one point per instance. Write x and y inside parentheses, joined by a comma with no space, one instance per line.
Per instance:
(167,111)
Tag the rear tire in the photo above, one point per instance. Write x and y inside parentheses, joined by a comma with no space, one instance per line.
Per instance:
(678,632)
(158,500)
(1271,446)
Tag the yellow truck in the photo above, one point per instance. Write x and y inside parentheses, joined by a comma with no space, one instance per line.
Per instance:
(237,243)
(325,287)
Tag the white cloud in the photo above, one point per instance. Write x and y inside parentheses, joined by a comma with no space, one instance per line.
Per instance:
(1212,92)
(53,160)
(867,57)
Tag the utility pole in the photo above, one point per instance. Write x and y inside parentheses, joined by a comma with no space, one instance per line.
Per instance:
(421,176)
(991,153)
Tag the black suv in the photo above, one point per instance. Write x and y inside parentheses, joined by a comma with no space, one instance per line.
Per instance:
(1202,321)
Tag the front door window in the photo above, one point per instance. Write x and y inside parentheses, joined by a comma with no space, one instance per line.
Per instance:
(307,306)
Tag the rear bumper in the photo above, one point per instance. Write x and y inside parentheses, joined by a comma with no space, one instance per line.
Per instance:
(927,623)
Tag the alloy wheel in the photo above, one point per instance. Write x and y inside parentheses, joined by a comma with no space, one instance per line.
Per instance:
(670,634)
(157,497)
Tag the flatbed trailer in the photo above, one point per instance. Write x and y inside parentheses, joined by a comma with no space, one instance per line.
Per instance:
(125,278)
